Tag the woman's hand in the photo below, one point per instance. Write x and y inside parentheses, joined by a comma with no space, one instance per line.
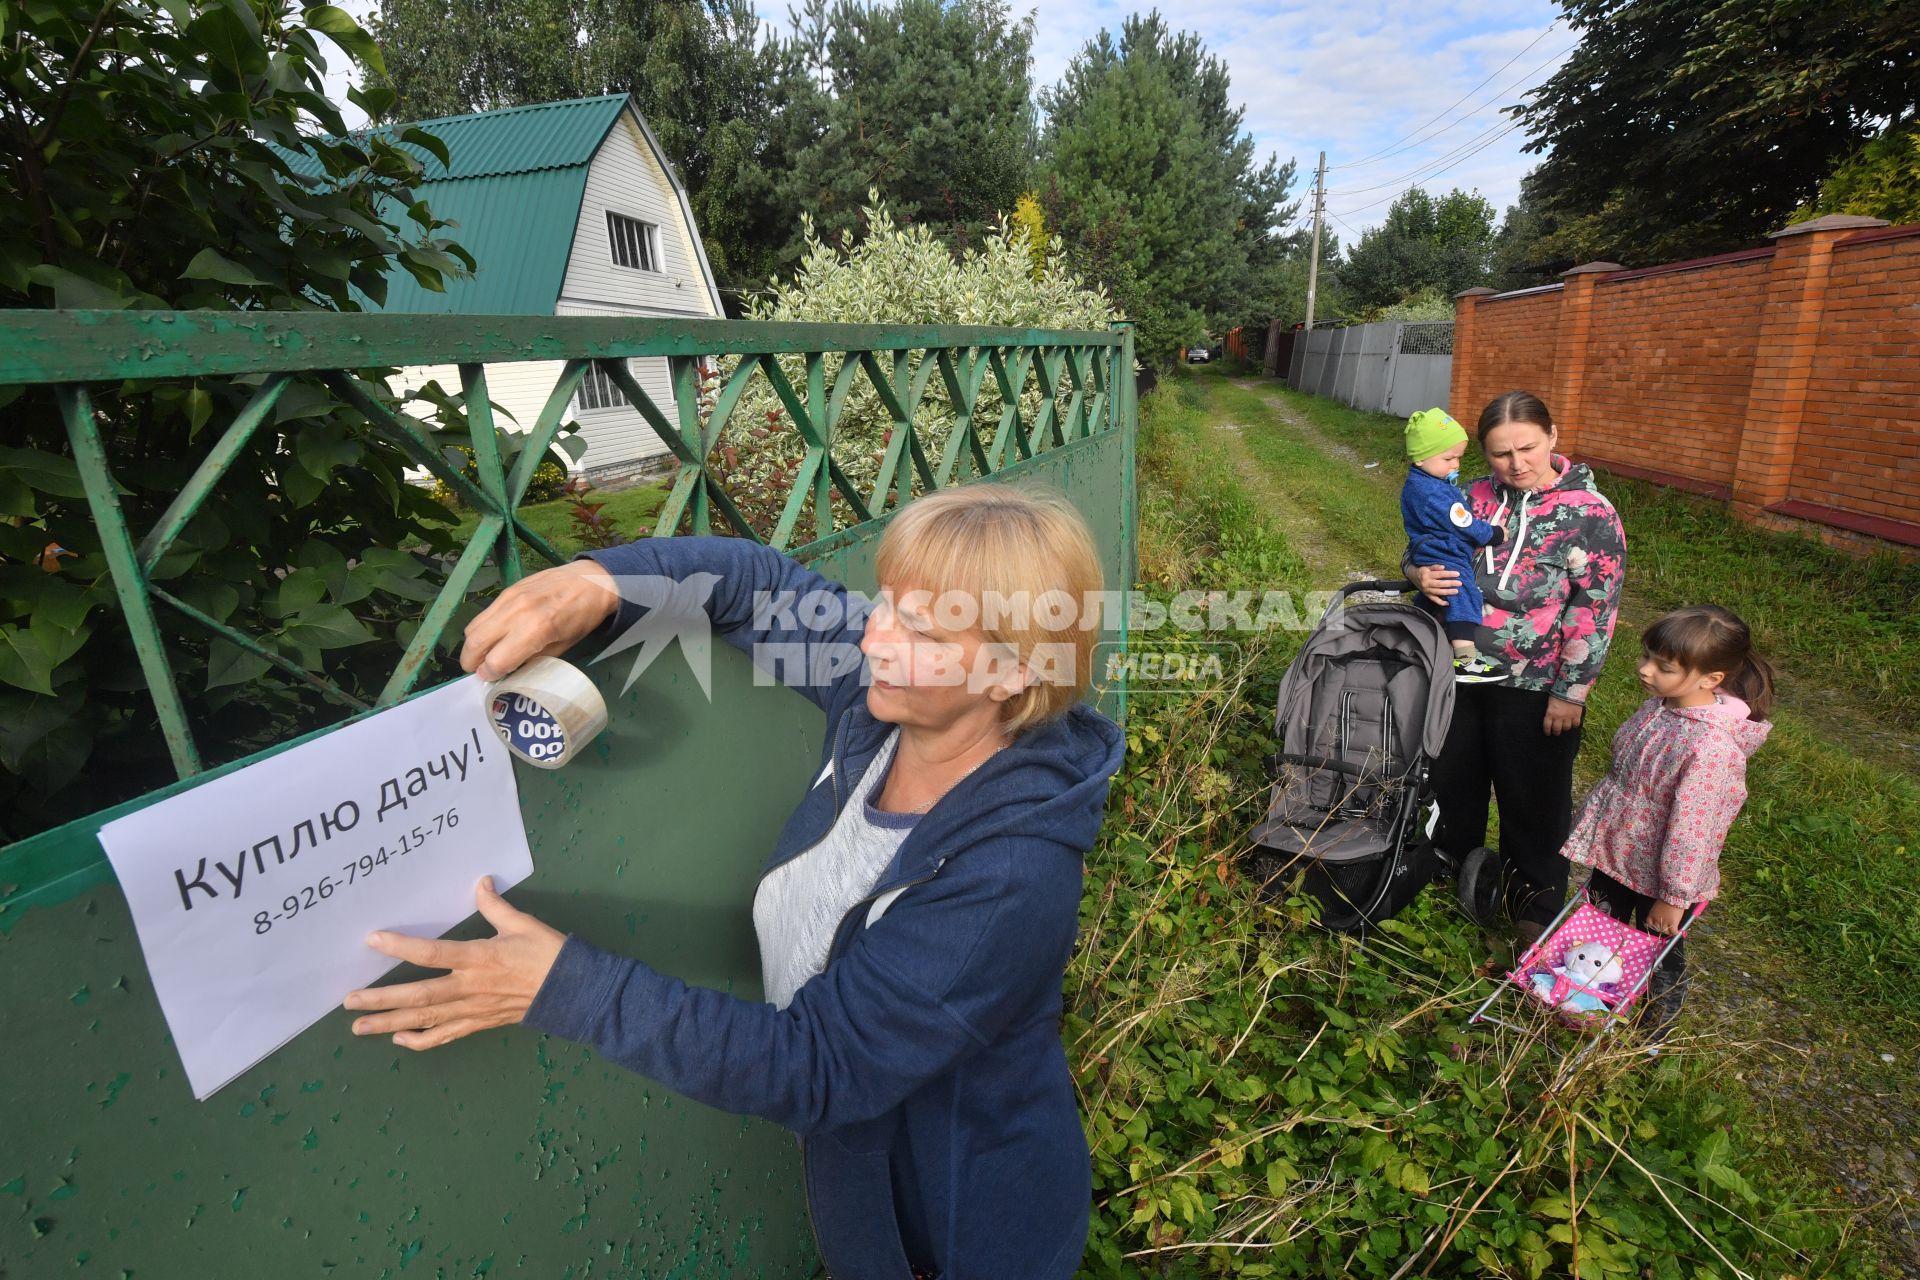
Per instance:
(1436,582)
(489,983)
(1562,716)
(1664,918)
(545,614)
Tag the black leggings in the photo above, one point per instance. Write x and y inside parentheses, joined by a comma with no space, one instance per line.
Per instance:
(1497,742)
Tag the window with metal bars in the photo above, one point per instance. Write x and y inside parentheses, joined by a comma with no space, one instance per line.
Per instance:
(634,242)
(597,391)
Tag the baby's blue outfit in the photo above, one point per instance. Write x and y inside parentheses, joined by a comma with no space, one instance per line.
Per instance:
(1442,530)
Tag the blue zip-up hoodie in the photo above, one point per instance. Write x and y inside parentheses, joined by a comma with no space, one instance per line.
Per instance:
(923,1070)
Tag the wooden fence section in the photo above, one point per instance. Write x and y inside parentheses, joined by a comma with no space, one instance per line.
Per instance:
(1785,379)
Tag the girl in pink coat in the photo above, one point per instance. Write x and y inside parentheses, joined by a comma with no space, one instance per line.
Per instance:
(1653,828)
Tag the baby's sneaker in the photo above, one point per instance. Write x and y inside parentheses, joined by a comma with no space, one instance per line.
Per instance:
(1477,669)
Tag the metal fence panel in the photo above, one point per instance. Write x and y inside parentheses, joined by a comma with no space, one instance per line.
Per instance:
(1333,379)
(1419,382)
(1320,373)
(1390,366)
(1371,364)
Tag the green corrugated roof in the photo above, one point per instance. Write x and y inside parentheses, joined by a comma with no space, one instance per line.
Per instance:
(542,135)
(514,186)
(518,227)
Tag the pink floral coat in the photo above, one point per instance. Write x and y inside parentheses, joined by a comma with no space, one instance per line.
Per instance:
(1658,819)
(1552,589)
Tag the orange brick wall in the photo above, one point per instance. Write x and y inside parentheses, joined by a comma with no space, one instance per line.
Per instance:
(1511,349)
(1668,380)
(1668,363)
(1860,431)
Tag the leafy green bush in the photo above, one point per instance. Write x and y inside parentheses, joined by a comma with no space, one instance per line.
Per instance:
(549,480)
(169,155)
(1881,180)
(892,275)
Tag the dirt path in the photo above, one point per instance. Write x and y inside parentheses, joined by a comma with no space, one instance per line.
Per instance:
(1315,544)
(1847,1097)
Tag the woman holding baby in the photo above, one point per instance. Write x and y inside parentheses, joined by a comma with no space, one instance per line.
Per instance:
(1551,589)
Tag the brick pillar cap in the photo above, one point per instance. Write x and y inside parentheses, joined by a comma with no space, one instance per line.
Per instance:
(1831,222)
(1592,269)
(1479,292)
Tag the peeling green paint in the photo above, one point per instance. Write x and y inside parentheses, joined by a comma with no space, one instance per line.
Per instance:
(114,1087)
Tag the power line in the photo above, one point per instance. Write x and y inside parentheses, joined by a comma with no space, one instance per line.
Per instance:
(1381,186)
(1394,147)
(1436,172)
(1442,160)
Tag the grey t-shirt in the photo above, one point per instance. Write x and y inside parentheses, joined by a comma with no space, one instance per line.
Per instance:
(800,903)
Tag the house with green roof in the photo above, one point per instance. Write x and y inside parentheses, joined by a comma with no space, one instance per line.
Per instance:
(569,209)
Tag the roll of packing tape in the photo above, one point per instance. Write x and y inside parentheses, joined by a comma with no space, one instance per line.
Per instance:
(546,712)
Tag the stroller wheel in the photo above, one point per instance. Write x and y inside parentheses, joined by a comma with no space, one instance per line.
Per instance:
(1478,886)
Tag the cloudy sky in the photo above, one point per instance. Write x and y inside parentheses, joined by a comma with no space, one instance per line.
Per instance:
(1397,92)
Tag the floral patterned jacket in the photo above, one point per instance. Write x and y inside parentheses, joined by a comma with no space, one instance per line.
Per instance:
(1657,820)
(1552,589)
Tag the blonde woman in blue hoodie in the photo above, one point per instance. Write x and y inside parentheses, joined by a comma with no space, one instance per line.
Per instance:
(918,911)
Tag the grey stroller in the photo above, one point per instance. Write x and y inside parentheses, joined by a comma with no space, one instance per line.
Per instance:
(1363,711)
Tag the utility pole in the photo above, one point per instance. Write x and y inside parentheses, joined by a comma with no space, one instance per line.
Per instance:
(1319,207)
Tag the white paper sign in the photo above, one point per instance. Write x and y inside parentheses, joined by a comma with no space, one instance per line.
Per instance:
(253,895)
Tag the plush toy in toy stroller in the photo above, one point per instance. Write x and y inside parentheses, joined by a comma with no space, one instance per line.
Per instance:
(1589,969)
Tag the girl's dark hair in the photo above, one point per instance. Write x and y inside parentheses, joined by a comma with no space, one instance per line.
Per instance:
(1515,406)
(1707,637)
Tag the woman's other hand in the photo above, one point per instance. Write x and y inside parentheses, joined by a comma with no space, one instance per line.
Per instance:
(1562,716)
(489,982)
(1436,582)
(547,613)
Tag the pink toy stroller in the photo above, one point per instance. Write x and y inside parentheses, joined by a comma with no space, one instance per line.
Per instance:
(1625,959)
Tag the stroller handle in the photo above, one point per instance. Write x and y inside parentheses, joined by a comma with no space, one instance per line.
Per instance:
(1391,586)
(1387,586)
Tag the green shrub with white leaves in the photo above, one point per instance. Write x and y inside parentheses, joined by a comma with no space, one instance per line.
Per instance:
(894,274)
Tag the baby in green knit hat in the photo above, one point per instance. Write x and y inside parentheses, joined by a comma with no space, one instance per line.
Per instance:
(1442,530)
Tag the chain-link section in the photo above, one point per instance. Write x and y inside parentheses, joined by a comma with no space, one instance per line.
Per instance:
(1427,339)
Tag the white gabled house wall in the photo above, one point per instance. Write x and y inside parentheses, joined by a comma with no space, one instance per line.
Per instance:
(626,177)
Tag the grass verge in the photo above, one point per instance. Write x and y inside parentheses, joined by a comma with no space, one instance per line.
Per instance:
(1267,1100)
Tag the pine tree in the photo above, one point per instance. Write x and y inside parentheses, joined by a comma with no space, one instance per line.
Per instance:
(926,103)
(1156,187)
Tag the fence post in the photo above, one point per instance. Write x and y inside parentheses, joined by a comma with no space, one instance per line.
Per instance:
(1393,365)
(1783,358)
(1271,364)
(1466,304)
(1570,351)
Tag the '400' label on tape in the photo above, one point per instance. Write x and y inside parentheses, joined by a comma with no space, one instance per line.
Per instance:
(528,727)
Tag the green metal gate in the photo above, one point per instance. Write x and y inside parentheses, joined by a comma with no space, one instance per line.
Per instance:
(510,1153)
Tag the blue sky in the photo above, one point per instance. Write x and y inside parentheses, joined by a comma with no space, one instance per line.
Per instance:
(1397,92)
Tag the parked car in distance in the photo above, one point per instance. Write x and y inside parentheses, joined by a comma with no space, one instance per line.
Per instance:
(1199,355)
